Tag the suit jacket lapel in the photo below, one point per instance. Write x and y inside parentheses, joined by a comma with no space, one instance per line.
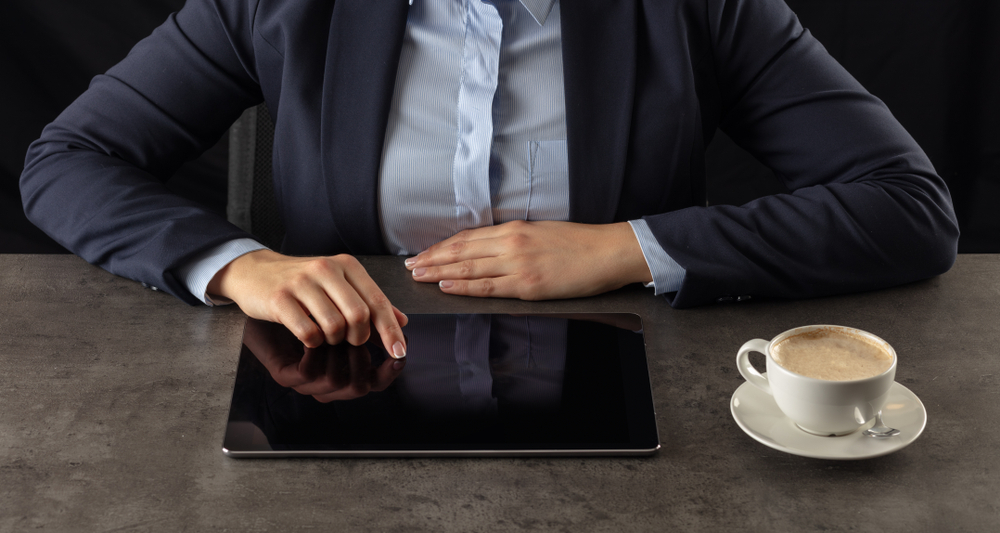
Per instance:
(362,56)
(599,69)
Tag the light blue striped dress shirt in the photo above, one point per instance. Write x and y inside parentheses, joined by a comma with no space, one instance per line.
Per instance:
(476,133)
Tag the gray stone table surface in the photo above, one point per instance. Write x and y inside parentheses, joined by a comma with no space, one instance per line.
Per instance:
(113,400)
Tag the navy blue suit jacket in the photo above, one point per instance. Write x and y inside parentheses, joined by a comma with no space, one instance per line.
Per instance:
(647,84)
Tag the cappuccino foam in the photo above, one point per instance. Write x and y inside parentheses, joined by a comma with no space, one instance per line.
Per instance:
(831,355)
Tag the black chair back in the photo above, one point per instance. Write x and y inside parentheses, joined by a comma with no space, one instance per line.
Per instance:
(251,204)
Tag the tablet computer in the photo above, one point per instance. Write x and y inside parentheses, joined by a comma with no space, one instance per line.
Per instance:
(470,385)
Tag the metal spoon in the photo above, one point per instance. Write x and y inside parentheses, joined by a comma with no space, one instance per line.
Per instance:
(880,430)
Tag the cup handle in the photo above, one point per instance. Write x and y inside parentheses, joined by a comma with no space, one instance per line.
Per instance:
(750,373)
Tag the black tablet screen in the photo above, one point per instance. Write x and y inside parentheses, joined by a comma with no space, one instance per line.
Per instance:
(471,384)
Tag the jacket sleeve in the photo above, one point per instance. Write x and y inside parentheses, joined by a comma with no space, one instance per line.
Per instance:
(94,180)
(867,209)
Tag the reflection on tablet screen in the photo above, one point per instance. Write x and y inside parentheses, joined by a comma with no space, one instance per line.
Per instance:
(471,384)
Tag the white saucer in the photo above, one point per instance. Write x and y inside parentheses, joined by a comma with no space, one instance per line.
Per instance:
(758,415)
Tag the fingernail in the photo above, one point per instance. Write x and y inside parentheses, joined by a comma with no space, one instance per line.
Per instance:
(398,351)
(410,262)
(399,363)
(417,272)
(445,284)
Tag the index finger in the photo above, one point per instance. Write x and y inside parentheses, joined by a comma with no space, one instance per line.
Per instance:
(387,319)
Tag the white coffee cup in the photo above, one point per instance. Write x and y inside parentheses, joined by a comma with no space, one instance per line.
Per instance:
(820,406)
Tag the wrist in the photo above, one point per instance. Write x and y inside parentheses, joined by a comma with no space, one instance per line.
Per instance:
(227,280)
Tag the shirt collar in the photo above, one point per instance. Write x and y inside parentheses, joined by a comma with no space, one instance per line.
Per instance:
(539,9)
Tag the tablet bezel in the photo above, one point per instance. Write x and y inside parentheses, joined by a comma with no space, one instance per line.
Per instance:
(643,439)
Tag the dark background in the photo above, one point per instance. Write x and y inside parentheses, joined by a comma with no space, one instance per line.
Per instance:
(49,51)
(936,63)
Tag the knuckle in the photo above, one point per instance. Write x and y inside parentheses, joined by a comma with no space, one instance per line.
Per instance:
(531,279)
(331,322)
(518,240)
(456,247)
(487,287)
(379,301)
(391,331)
(356,314)
(347,262)
(466,269)
(337,336)
(319,266)
(278,299)
(531,287)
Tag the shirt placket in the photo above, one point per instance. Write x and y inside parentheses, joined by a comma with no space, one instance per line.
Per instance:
(480,71)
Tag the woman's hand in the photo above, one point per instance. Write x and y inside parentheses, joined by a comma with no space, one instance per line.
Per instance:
(534,260)
(319,299)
